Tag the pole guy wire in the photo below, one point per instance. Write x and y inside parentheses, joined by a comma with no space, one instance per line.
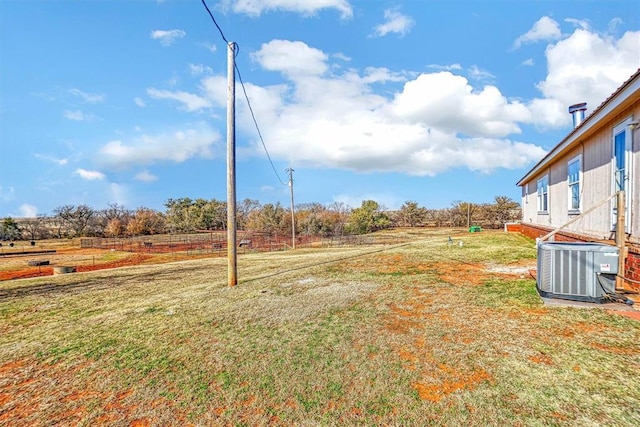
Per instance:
(244,90)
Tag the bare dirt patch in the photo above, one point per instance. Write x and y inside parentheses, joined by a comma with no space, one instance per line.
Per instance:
(84,260)
(69,395)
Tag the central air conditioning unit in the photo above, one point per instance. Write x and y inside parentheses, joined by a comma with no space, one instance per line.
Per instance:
(577,271)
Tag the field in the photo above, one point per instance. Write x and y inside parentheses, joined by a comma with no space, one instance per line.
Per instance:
(423,332)
(90,254)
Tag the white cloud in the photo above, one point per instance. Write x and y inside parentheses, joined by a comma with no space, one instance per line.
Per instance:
(326,116)
(145,176)
(175,147)
(395,22)
(341,56)
(139,102)
(78,115)
(173,81)
(28,211)
(438,121)
(52,159)
(588,67)
(89,175)
(545,28)
(91,98)
(548,113)
(579,23)
(381,75)
(479,74)
(189,101)
(197,69)
(614,23)
(291,58)
(210,47)
(449,103)
(452,67)
(528,62)
(167,37)
(304,7)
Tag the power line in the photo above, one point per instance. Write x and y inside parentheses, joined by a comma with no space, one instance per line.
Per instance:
(215,22)
(255,122)
(257,128)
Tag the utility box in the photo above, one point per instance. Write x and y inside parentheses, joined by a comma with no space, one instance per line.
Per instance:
(475,229)
(577,271)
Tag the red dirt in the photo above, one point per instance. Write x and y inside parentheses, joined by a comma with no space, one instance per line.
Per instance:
(130,260)
(635,315)
(70,393)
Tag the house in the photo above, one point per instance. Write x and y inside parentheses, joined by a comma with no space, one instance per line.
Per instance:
(578,179)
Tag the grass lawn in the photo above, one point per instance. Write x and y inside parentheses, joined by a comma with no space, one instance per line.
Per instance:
(417,333)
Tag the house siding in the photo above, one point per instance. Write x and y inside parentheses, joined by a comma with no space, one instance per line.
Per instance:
(593,141)
(596,185)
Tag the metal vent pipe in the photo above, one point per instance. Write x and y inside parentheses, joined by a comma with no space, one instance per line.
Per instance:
(577,112)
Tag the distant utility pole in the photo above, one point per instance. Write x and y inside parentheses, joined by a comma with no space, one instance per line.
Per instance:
(468,215)
(293,215)
(232,269)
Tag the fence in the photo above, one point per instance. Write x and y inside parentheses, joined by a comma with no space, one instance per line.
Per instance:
(215,242)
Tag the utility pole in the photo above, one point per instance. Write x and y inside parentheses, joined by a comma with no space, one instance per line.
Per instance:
(468,215)
(232,263)
(293,215)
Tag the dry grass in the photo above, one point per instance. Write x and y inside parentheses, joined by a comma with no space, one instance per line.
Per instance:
(415,334)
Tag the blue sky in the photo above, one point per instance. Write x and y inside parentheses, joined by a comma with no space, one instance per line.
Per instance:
(432,101)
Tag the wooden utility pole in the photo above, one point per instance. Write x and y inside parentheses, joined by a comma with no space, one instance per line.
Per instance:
(232,269)
(293,214)
(620,236)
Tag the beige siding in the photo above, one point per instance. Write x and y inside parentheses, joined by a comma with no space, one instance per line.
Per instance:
(596,184)
(635,201)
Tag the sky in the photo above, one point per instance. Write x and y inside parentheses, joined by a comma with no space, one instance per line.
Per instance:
(432,101)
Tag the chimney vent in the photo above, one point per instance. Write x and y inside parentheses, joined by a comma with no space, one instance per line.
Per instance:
(577,111)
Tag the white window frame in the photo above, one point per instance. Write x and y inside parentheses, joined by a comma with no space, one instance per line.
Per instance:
(578,183)
(541,197)
(622,127)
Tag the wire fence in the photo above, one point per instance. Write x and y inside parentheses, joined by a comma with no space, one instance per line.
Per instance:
(215,242)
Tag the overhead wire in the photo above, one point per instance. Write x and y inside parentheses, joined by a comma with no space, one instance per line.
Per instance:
(244,91)
(215,22)
(256,124)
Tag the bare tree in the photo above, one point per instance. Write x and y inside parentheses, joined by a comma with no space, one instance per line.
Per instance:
(244,211)
(504,210)
(33,228)
(411,215)
(76,219)
(270,219)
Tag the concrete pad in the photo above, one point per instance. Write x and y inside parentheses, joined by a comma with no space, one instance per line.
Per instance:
(615,306)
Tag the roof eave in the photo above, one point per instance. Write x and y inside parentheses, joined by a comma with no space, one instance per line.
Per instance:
(592,122)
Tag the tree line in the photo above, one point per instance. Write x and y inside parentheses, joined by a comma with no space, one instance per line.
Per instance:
(185,215)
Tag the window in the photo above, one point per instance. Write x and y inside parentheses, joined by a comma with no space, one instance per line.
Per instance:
(543,194)
(622,170)
(574,173)
(619,161)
